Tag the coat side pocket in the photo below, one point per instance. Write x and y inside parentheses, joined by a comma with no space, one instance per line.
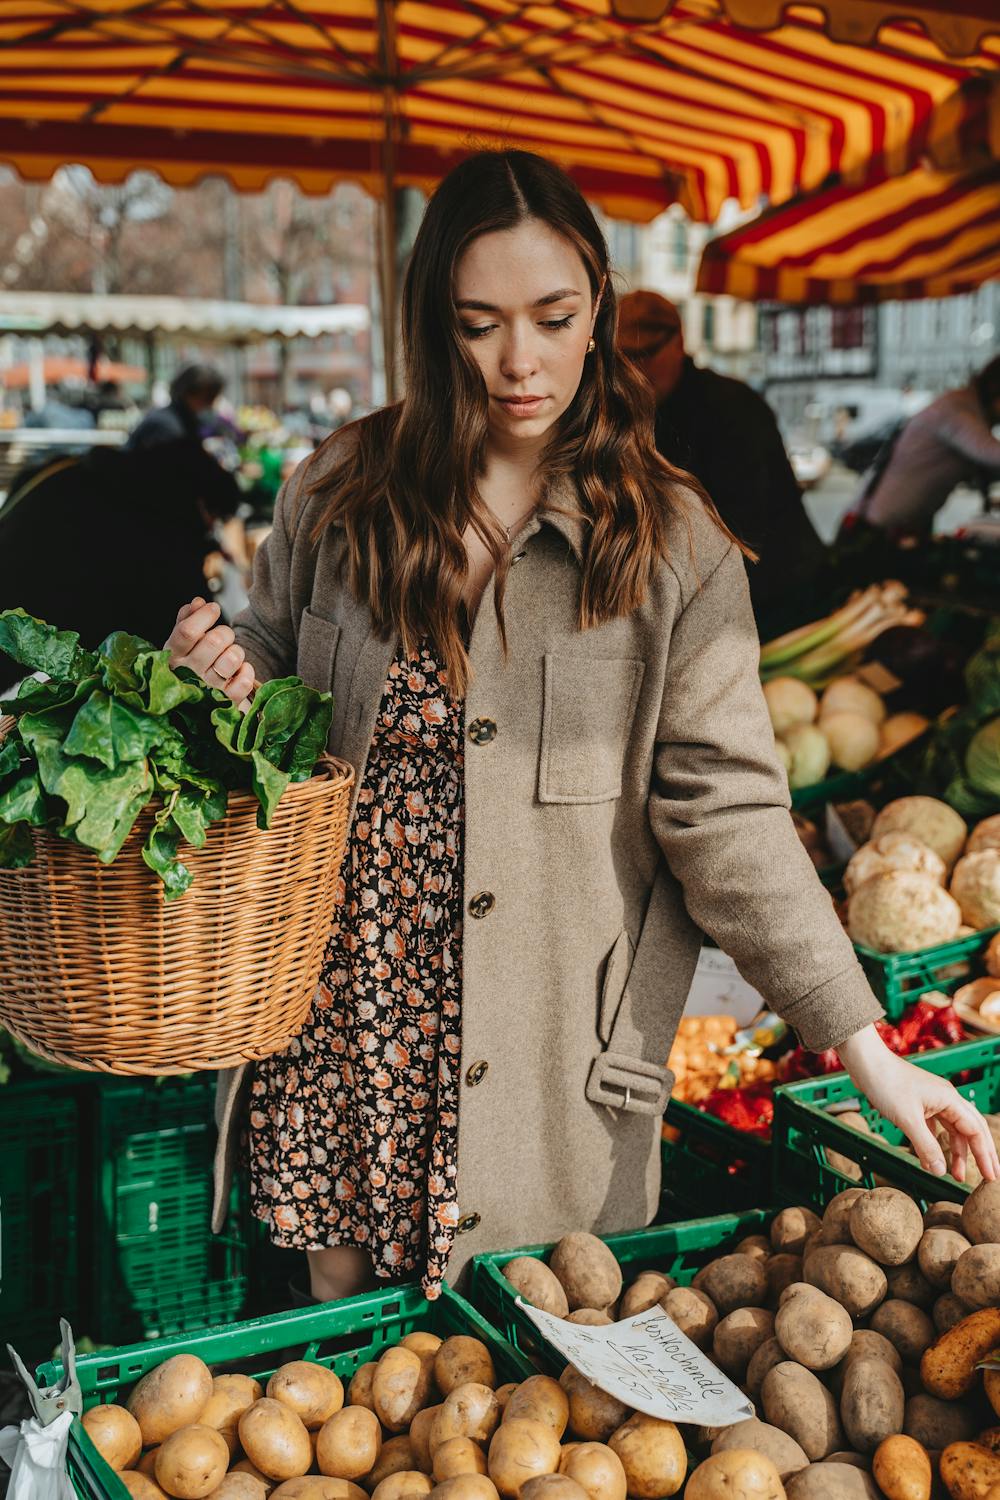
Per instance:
(616,972)
(589,704)
(317,655)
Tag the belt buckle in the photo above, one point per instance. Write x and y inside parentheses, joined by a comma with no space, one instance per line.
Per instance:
(629,1083)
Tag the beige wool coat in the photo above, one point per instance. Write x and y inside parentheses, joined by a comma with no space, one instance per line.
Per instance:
(628,801)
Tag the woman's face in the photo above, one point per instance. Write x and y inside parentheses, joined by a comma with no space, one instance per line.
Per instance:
(524,303)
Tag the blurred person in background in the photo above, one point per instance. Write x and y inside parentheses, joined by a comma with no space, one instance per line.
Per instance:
(948,443)
(194,391)
(107,541)
(723,433)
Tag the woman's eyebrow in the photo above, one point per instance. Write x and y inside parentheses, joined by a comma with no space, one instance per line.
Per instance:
(469,304)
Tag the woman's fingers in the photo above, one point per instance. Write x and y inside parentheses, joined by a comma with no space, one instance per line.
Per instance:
(923,1141)
(240,687)
(966,1126)
(190,629)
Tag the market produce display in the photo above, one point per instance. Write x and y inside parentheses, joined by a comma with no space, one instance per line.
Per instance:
(111,730)
(857,1334)
(847,726)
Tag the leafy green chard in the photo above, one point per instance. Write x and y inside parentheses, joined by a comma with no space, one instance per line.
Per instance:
(114,729)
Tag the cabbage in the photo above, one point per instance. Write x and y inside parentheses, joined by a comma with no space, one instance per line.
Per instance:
(982,760)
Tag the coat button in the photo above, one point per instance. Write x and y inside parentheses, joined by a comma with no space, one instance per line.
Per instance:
(477,1073)
(468,1222)
(482,903)
(481,731)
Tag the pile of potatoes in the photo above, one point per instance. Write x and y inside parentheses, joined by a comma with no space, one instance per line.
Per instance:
(427,1418)
(857,1337)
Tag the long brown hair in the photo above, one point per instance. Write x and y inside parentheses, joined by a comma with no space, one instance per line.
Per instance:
(408,487)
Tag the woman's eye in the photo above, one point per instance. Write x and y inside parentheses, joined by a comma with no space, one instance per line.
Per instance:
(478,332)
(566,322)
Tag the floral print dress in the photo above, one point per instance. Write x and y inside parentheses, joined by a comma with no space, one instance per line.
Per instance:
(353,1131)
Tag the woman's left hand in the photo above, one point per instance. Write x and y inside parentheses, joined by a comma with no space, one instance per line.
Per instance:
(916,1101)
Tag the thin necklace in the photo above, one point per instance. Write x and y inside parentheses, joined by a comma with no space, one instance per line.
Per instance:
(516,523)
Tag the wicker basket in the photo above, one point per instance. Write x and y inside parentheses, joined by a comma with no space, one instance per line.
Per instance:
(99,972)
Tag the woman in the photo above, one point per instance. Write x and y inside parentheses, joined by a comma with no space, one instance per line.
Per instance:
(544,669)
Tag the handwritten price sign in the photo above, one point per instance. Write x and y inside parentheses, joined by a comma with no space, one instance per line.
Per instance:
(648,1364)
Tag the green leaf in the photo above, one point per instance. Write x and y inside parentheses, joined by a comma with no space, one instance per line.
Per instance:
(16,846)
(43,648)
(118,655)
(160,854)
(195,811)
(23,801)
(269,785)
(163,688)
(115,800)
(10,755)
(109,731)
(36,697)
(310,742)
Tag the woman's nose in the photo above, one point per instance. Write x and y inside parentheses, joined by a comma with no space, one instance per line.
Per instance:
(518,356)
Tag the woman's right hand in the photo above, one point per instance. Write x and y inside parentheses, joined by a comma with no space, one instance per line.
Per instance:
(198,641)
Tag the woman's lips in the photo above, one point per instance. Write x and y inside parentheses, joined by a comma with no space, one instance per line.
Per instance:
(522,406)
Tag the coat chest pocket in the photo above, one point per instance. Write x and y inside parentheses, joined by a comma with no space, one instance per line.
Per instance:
(588,708)
(318,642)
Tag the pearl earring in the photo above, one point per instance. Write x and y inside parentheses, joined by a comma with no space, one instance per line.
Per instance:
(591,346)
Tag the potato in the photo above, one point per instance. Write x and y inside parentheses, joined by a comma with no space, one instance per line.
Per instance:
(652,1454)
(864,1345)
(832,1481)
(944,1213)
(791,1227)
(461,1360)
(849,1276)
(991,1387)
(192,1462)
(948,1367)
(470,1411)
(596,1468)
(740,1473)
(783,1451)
(542,1399)
(765,1357)
(836,1226)
(732,1281)
(537,1284)
(947,1311)
(147,1464)
(976,1277)
(406,1483)
(359,1392)
(275,1439)
(424,1344)
(847,1456)
(797,1402)
(231,1396)
(693,1311)
(589,1317)
(981,1214)
(812,1328)
(887,1225)
(467,1487)
(872,1403)
(401,1385)
(908,1283)
(552,1487)
(593,1414)
(782,1271)
(738,1337)
(239,1487)
(459,1455)
(589,1273)
(757,1246)
(968,1470)
(520,1451)
(937,1253)
(420,1437)
(318,1487)
(246,1467)
(934,1424)
(990,1438)
(397,1456)
(648,1289)
(311,1391)
(141,1486)
(170,1397)
(115,1434)
(902,1469)
(348,1445)
(504,1393)
(906,1326)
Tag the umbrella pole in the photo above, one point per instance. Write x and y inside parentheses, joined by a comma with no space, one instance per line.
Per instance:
(388,258)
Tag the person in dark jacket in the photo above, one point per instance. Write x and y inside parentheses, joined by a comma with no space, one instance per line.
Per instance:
(111,540)
(193,392)
(725,434)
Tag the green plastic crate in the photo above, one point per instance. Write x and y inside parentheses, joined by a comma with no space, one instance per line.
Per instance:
(898,979)
(678,1250)
(39,1178)
(713,1164)
(340,1335)
(156,1267)
(805,1130)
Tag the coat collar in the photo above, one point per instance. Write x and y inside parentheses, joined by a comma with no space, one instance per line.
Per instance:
(572,526)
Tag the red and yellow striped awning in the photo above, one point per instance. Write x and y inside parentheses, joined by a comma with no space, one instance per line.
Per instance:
(925,234)
(690,107)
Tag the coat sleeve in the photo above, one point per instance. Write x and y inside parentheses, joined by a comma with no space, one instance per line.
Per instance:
(264,629)
(967,432)
(719,808)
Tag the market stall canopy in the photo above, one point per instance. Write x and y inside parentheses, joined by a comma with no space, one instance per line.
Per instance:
(57,368)
(181,317)
(931,232)
(690,107)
